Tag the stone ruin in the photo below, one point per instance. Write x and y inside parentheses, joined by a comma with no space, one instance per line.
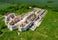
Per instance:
(30,20)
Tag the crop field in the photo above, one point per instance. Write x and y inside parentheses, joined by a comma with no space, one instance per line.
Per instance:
(48,30)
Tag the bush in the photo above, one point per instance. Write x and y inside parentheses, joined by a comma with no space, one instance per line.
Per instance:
(50,1)
(1,32)
(55,9)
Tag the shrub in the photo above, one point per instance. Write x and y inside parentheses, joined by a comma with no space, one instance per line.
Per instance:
(1,32)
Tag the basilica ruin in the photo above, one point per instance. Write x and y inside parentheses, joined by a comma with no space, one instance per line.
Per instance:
(30,20)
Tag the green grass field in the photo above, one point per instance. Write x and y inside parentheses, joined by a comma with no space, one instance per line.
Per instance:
(49,3)
(13,8)
(48,30)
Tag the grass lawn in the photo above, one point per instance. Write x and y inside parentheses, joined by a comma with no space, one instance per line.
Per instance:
(48,30)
